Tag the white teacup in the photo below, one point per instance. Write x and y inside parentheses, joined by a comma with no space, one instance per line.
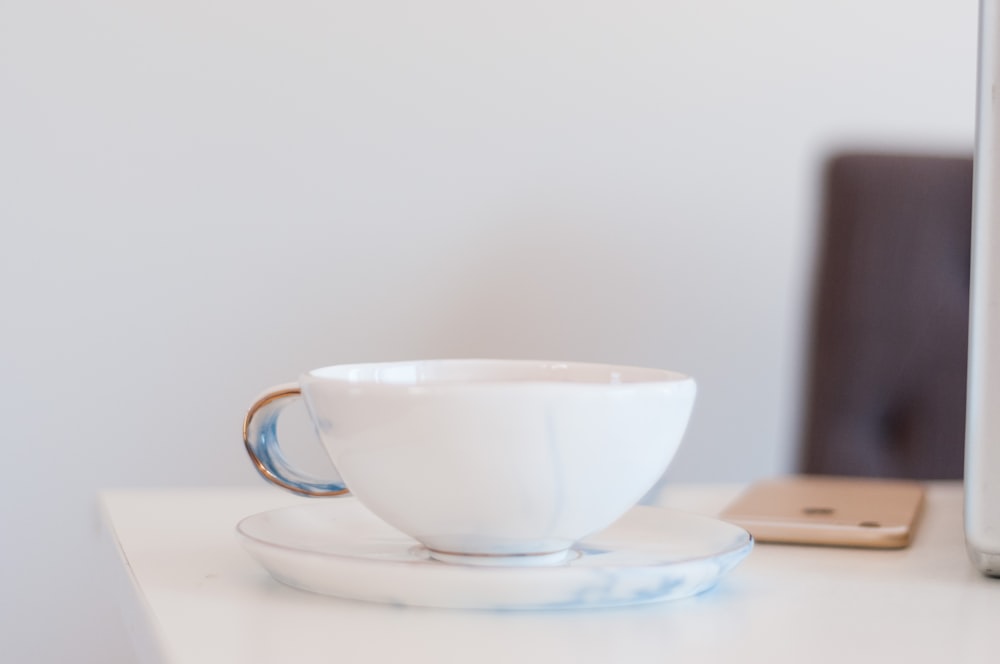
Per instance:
(491,462)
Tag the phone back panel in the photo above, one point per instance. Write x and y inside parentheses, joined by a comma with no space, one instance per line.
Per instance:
(831,511)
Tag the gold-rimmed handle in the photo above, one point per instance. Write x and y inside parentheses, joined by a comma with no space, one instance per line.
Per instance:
(260,437)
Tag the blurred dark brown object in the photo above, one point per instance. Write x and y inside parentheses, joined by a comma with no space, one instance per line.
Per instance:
(886,384)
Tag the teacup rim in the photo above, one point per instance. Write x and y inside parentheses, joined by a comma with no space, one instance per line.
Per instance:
(638,375)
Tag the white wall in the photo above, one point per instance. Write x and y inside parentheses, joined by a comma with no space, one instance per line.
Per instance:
(200,198)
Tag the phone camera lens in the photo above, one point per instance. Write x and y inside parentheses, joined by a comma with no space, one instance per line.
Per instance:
(817,511)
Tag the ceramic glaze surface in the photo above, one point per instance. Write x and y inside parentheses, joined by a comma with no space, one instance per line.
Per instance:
(498,459)
(339,548)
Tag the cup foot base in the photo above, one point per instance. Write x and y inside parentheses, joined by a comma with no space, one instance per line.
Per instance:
(504,560)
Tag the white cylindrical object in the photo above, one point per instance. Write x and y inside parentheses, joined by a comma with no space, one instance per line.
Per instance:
(982,453)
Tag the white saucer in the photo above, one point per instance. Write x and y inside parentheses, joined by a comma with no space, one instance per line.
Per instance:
(337,547)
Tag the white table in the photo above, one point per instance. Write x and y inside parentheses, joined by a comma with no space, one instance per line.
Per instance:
(192,596)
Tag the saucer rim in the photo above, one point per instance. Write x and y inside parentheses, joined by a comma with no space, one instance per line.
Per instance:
(742,543)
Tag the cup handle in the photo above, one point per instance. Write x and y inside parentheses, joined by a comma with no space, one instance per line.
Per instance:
(260,436)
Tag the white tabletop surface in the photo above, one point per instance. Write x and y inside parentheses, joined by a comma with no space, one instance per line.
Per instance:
(192,595)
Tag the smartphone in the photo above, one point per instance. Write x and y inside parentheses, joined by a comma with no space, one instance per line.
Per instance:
(831,511)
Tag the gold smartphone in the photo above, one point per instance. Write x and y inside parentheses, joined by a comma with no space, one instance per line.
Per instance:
(831,511)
